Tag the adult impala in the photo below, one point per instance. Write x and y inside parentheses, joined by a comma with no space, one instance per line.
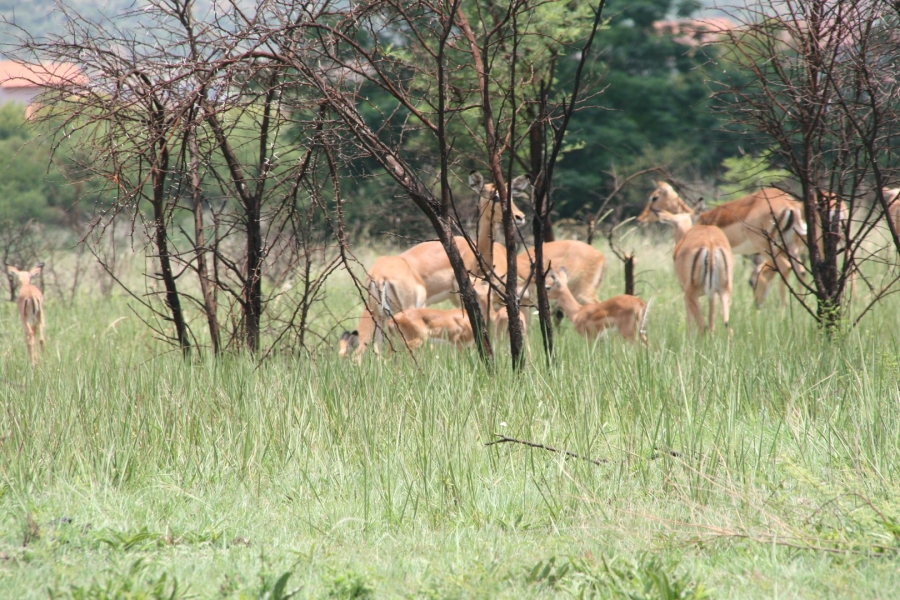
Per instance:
(422,275)
(704,265)
(625,314)
(30,303)
(584,264)
(768,222)
(892,197)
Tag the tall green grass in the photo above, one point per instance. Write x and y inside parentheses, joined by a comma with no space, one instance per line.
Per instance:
(760,465)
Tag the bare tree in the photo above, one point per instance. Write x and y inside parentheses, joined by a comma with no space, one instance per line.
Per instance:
(450,71)
(180,119)
(814,78)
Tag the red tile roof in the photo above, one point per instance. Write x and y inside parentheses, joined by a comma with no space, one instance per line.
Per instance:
(17,75)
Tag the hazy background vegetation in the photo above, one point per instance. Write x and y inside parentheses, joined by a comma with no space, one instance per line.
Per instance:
(647,105)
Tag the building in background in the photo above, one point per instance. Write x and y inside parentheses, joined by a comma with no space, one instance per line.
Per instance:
(23,83)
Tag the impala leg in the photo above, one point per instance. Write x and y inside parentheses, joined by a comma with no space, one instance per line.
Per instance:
(712,312)
(30,343)
(726,309)
(628,328)
(693,309)
(784,269)
(40,328)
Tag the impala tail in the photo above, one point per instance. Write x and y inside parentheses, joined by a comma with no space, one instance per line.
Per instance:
(31,310)
(790,223)
(710,270)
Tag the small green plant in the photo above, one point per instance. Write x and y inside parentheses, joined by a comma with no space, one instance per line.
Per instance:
(136,584)
(349,586)
(646,579)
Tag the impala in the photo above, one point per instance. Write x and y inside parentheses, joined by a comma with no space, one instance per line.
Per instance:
(584,264)
(490,214)
(892,197)
(416,326)
(423,275)
(768,222)
(704,265)
(836,210)
(625,314)
(30,303)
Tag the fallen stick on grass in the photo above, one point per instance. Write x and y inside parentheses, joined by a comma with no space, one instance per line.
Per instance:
(501,439)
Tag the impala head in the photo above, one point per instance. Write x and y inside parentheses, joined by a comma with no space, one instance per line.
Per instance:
(25,276)
(664,197)
(682,222)
(489,198)
(348,342)
(556,281)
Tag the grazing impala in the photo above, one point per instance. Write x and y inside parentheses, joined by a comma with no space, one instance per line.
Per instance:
(584,264)
(416,326)
(768,222)
(31,309)
(423,275)
(704,265)
(625,314)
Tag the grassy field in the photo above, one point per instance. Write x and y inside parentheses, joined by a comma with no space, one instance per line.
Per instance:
(764,465)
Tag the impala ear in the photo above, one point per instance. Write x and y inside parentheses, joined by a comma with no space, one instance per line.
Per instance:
(37,270)
(476,181)
(519,185)
(12,270)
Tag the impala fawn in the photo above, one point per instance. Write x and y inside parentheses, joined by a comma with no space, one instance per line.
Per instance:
(30,303)
(625,314)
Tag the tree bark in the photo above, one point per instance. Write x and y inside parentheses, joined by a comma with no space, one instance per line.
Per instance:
(207,285)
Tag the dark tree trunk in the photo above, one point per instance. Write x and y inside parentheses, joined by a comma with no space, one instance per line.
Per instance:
(536,154)
(158,172)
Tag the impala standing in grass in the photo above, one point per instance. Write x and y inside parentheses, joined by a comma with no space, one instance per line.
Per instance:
(30,303)
(704,266)
(584,264)
(768,222)
(423,275)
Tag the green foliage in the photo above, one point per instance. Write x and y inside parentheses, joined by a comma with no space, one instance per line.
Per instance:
(31,187)
(746,173)
(349,586)
(648,91)
(135,584)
